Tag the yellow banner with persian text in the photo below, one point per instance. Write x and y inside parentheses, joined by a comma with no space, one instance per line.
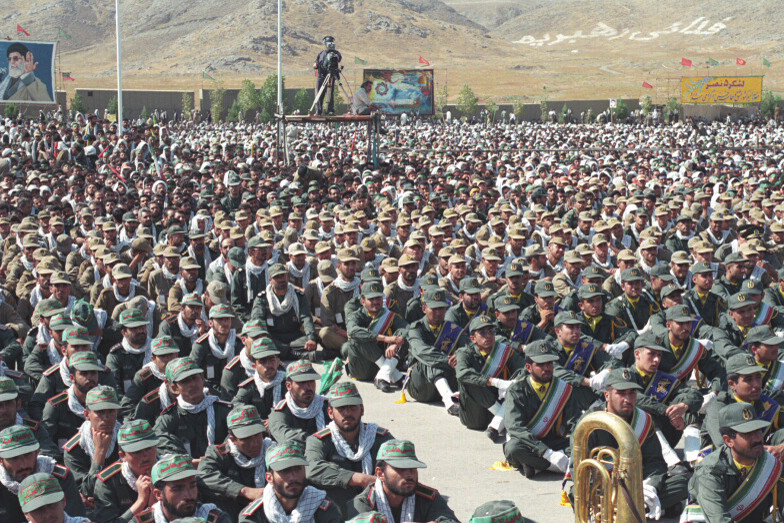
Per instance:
(721,89)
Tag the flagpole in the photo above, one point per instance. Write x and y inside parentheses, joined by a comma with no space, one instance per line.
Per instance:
(119,70)
(280,58)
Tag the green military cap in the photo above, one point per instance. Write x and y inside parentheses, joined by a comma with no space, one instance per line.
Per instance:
(102,397)
(253,328)
(621,379)
(506,304)
(650,341)
(670,288)
(679,313)
(369,274)
(743,364)
(263,347)
(193,299)
(180,368)
(136,435)
(751,288)
(734,257)
(221,310)
(189,263)
(39,490)
(544,289)
(594,271)
(76,336)
(82,313)
(326,271)
(130,318)
(568,318)
(740,417)
(429,280)
(17,440)
(60,322)
(480,322)
(435,298)
(739,300)
(762,335)
(173,468)
(163,345)
(244,421)
(301,370)
(277,269)
(343,393)
(372,289)
(400,454)
(515,268)
(632,274)
(48,308)
(285,455)
(662,271)
(8,389)
(85,361)
(130,217)
(257,242)
(234,179)
(470,286)
(369,517)
(237,256)
(589,290)
(701,268)
(539,351)
(503,511)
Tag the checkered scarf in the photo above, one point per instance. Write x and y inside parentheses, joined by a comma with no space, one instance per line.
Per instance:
(87,443)
(257,463)
(44,464)
(308,503)
(382,504)
(206,404)
(367,436)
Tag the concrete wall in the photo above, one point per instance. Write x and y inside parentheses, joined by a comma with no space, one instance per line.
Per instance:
(31,110)
(134,100)
(532,111)
(718,112)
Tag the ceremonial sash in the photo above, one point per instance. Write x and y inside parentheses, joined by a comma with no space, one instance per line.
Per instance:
(496,360)
(382,322)
(764,315)
(766,408)
(775,377)
(695,324)
(755,488)
(641,424)
(550,409)
(689,359)
(448,336)
(582,355)
(661,386)
(522,331)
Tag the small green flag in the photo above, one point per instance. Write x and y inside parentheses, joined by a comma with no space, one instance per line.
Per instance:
(711,61)
(360,61)
(208,77)
(765,62)
(332,374)
(62,33)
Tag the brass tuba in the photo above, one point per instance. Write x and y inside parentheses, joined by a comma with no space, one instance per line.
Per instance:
(607,481)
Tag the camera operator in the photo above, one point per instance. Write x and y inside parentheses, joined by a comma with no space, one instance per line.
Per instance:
(326,62)
(361,100)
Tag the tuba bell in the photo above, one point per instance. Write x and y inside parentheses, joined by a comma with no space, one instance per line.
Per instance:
(607,481)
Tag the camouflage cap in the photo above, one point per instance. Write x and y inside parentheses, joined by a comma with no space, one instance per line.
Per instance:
(301,370)
(343,393)
(8,389)
(102,397)
(60,322)
(263,347)
(17,440)
(369,517)
(76,336)
(180,368)
(130,318)
(503,511)
(38,490)
(48,308)
(400,454)
(172,468)
(163,345)
(244,421)
(285,455)
(192,299)
(136,435)
(221,310)
(85,361)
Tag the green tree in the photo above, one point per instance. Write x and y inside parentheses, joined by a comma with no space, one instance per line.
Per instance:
(518,107)
(234,112)
(769,103)
(543,109)
(589,118)
(77,103)
(217,105)
(11,110)
(672,108)
(112,105)
(492,110)
(467,101)
(562,114)
(646,105)
(248,98)
(442,98)
(340,103)
(268,98)
(621,111)
(187,105)
(302,101)
(145,114)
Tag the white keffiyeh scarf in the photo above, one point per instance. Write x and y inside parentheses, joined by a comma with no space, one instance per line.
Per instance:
(382,504)
(163,395)
(314,410)
(308,503)
(168,275)
(28,265)
(257,463)
(55,356)
(36,296)
(187,332)
(206,404)
(367,436)
(65,375)
(74,519)
(146,350)
(301,274)
(129,476)
(254,270)
(346,286)
(87,443)
(202,511)
(45,464)
(247,363)
(205,256)
(412,288)
(227,351)
(277,307)
(106,281)
(263,386)
(43,337)
(155,372)
(199,289)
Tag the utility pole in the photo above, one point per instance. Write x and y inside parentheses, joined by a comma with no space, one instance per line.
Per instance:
(119,70)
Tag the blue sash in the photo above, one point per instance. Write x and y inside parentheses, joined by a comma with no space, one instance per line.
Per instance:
(522,331)
(766,408)
(580,360)
(661,386)
(447,339)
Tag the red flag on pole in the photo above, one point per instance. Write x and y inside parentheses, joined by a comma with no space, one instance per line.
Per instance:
(20,29)
(423,61)
(686,62)
(647,85)
(740,61)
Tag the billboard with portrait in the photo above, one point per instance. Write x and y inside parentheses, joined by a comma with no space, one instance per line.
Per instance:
(399,91)
(721,89)
(27,71)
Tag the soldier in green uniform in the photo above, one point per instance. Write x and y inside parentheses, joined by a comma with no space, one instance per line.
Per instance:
(342,456)
(414,309)
(376,346)
(733,326)
(764,345)
(397,489)
(95,444)
(37,338)
(213,350)
(266,386)
(285,313)
(195,420)
(188,282)
(177,493)
(633,307)
(241,366)
(250,280)
(679,241)
(42,498)
(730,282)
(302,412)
(233,473)
(502,511)
(485,369)
(591,274)
(287,491)
(701,299)
(124,488)
(44,355)
(469,303)
(128,357)
(537,435)
(542,313)
(518,333)
(774,295)
(662,493)
(12,413)
(231,202)
(155,402)
(405,288)
(582,361)
(187,325)
(737,482)
(19,459)
(150,377)
(333,332)
(602,327)
(514,287)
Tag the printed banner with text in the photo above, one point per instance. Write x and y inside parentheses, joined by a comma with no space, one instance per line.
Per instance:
(399,91)
(721,89)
